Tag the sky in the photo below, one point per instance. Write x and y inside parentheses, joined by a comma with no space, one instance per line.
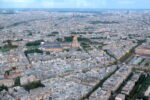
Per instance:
(92,4)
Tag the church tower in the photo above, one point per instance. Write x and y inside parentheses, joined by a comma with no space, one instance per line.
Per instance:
(75,42)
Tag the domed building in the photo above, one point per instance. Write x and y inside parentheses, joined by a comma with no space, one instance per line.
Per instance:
(58,46)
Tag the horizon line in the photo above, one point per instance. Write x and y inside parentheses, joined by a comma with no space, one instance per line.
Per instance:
(85,8)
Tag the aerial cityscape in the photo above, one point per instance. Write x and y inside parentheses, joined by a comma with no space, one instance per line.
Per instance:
(74,54)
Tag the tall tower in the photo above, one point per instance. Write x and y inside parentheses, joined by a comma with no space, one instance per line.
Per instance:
(75,42)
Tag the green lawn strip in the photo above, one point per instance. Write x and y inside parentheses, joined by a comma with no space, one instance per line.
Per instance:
(34,43)
(32,51)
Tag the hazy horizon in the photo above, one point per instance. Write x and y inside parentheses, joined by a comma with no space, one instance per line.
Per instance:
(76,4)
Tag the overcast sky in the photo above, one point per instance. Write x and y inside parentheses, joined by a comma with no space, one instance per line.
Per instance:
(107,4)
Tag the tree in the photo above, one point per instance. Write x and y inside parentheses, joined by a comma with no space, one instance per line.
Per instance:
(33,85)
(3,88)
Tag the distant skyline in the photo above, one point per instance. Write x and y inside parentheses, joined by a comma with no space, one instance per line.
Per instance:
(91,4)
